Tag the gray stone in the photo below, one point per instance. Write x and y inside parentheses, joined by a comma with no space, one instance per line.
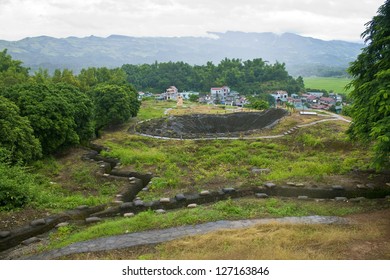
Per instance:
(228,190)
(357,199)
(340,198)
(160,211)
(139,203)
(204,193)
(165,200)
(256,170)
(320,200)
(192,205)
(117,202)
(106,175)
(64,224)
(361,186)
(180,197)
(338,188)
(31,241)
(4,233)
(291,184)
(119,196)
(145,189)
(128,215)
(261,195)
(270,185)
(132,178)
(303,197)
(370,185)
(91,220)
(126,205)
(300,185)
(39,222)
(82,207)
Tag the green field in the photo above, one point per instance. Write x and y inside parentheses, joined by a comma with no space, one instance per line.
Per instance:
(329,84)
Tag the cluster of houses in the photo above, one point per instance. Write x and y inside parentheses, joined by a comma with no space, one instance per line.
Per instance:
(224,95)
(313,100)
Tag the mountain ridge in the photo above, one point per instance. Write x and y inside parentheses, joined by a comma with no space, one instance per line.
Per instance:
(302,55)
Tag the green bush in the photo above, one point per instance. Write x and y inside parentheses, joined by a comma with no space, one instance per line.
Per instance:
(14,187)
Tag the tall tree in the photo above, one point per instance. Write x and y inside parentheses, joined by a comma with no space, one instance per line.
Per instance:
(371,88)
(17,140)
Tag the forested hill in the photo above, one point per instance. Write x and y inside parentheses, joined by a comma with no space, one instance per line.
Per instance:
(303,55)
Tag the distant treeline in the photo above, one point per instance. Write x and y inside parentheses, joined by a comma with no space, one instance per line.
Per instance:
(247,77)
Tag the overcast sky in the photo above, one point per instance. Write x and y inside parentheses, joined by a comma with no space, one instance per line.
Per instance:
(328,20)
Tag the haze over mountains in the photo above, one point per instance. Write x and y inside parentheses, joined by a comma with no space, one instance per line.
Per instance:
(303,55)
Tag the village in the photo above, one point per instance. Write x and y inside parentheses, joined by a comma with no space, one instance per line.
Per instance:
(225,96)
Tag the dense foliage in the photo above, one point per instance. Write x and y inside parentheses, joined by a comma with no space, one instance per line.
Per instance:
(248,77)
(17,140)
(371,88)
(44,113)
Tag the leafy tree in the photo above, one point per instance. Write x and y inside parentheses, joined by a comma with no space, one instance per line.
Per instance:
(11,71)
(371,88)
(50,114)
(17,139)
(82,109)
(114,104)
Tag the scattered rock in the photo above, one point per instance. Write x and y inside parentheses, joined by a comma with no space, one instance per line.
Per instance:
(139,203)
(106,175)
(160,211)
(145,189)
(388,184)
(126,205)
(39,222)
(228,190)
(270,185)
(370,185)
(117,202)
(192,205)
(261,195)
(340,198)
(119,196)
(320,200)
(31,241)
(204,193)
(303,197)
(82,207)
(132,178)
(337,188)
(128,215)
(256,170)
(180,197)
(361,186)
(291,184)
(4,234)
(357,199)
(64,224)
(301,185)
(91,220)
(165,200)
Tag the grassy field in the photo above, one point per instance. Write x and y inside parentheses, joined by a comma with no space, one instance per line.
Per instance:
(336,85)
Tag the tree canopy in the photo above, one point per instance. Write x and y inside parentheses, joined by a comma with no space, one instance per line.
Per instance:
(17,140)
(371,88)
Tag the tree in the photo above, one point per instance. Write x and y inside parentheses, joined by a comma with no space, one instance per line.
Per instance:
(11,71)
(114,104)
(17,140)
(371,88)
(50,114)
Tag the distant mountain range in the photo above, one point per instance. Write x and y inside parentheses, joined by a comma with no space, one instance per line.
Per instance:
(303,55)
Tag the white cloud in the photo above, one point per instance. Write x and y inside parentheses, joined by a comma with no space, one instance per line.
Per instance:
(317,18)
